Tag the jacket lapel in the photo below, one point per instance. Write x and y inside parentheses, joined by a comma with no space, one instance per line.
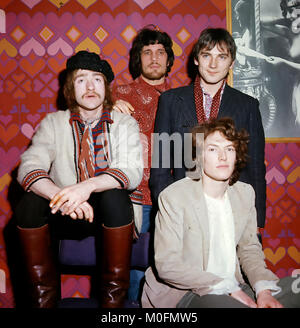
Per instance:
(202,218)
(189,117)
(237,211)
(226,106)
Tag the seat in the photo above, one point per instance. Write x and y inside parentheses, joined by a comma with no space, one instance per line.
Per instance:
(82,254)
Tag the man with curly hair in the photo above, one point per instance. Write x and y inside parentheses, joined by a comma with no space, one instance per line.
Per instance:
(205,231)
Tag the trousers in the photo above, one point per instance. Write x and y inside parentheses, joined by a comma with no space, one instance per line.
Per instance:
(289,297)
(112,208)
(137,276)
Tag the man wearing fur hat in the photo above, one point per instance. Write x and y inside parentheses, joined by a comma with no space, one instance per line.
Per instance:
(82,162)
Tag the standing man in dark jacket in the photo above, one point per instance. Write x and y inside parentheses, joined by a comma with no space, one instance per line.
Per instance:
(208,97)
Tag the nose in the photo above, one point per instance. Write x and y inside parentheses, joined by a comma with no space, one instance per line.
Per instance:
(90,85)
(213,62)
(222,155)
(153,56)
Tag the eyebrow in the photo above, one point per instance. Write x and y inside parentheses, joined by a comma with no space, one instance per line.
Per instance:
(84,74)
(217,145)
(206,52)
(154,50)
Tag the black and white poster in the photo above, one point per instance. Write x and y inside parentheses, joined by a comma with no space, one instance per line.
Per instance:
(267,66)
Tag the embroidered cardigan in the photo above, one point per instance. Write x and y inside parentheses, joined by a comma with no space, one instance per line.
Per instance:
(52,153)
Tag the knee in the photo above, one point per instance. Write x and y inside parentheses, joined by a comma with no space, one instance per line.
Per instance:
(115,207)
(31,211)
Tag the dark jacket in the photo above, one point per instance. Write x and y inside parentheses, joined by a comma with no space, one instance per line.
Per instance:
(177,114)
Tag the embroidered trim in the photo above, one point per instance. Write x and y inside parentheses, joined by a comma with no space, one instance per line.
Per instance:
(137,197)
(34,176)
(119,175)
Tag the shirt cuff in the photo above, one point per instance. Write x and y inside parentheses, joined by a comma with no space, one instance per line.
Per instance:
(33,176)
(119,176)
(267,284)
(226,286)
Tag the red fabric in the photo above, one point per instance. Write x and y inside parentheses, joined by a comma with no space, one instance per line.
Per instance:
(144,98)
(91,155)
(198,94)
(86,156)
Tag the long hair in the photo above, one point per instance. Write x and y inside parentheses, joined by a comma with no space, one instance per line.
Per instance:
(211,37)
(227,128)
(145,37)
(69,92)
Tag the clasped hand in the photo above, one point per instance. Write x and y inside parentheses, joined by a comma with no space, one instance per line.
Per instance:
(72,201)
(264,299)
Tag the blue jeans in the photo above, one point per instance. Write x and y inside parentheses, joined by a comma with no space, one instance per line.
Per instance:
(136,276)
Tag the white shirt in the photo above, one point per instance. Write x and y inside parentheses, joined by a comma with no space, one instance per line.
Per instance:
(222,251)
(222,254)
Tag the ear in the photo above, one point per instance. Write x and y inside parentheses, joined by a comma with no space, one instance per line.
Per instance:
(232,64)
(168,63)
(196,62)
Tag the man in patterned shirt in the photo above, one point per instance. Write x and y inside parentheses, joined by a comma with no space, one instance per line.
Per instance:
(151,59)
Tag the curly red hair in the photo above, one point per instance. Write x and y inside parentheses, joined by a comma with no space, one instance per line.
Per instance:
(227,128)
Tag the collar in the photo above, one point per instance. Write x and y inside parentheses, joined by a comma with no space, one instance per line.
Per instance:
(222,87)
(160,87)
(105,117)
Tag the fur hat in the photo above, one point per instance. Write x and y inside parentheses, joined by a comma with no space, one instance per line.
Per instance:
(91,61)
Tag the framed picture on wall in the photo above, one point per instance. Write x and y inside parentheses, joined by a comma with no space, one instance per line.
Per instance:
(267,65)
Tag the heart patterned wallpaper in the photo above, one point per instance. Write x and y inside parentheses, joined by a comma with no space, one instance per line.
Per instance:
(41,34)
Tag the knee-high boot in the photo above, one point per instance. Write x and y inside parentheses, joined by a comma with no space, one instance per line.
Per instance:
(40,266)
(117,244)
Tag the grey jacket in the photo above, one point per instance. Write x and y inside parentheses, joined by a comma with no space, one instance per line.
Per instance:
(181,243)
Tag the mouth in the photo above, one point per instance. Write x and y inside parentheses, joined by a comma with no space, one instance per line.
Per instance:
(212,73)
(90,95)
(154,66)
(222,166)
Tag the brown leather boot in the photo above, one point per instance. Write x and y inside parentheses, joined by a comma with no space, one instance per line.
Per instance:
(117,244)
(40,265)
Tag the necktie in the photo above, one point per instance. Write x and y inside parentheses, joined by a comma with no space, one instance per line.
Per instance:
(87,158)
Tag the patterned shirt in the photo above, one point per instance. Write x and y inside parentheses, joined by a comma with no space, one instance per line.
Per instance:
(144,98)
(208,99)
